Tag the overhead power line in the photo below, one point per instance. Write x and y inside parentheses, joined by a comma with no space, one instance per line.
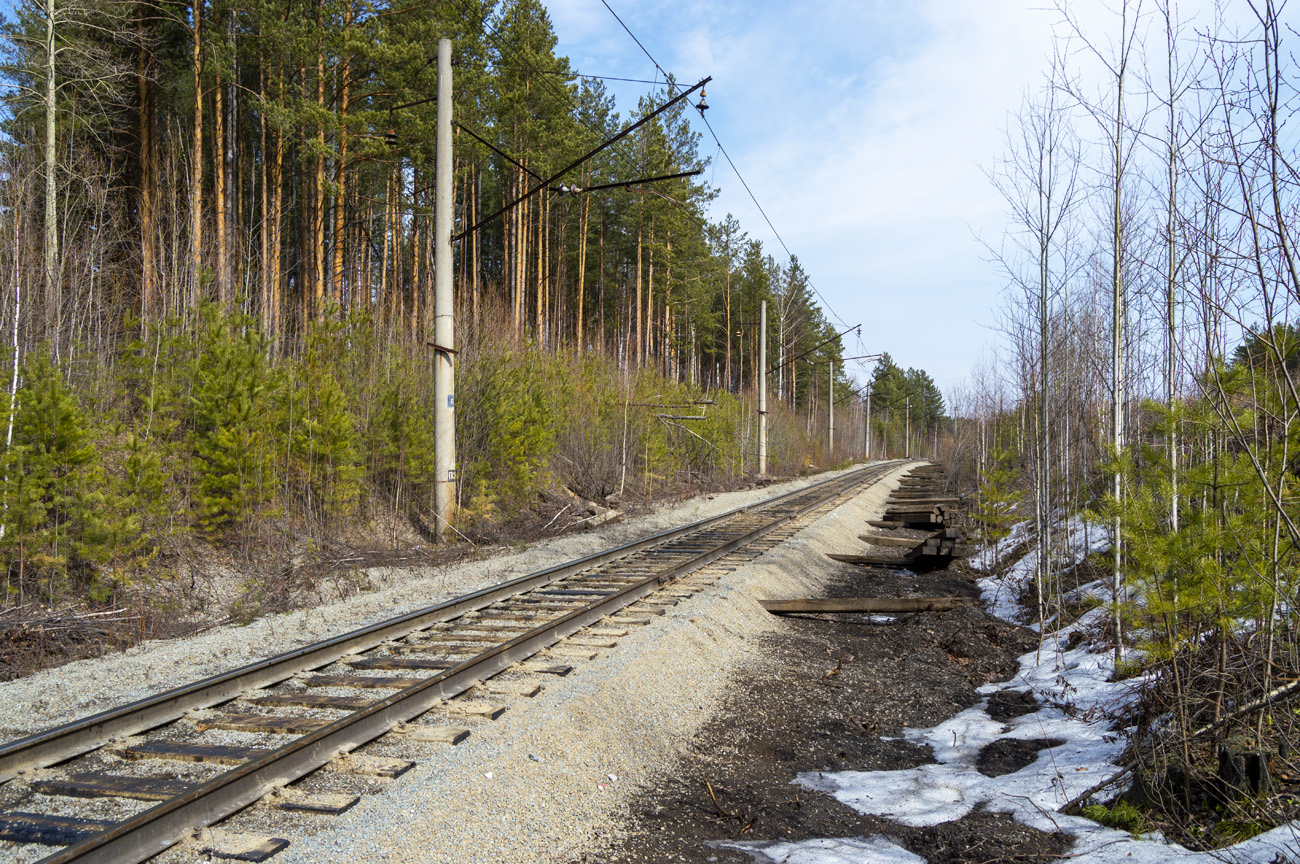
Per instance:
(730,162)
(570,74)
(775,233)
(812,349)
(557,175)
(667,79)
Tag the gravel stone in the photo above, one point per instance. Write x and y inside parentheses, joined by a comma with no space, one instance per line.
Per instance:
(541,783)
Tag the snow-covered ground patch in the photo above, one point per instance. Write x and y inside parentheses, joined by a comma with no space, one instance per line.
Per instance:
(854,850)
(1078,699)
(1001,592)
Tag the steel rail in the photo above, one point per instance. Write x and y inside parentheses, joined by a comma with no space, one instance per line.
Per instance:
(60,743)
(154,830)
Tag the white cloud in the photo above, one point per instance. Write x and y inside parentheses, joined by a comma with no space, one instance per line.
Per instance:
(864,129)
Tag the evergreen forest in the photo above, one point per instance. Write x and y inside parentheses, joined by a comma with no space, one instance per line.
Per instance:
(216,252)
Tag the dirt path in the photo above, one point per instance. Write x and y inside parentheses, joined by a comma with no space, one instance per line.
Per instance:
(833,693)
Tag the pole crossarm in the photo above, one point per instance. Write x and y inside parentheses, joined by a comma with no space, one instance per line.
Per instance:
(504,155)
(558,174)
(579,190)
(814,348)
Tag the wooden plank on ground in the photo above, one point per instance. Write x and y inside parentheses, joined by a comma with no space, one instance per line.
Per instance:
(237,846)
(391,662)
(48,830)
(866,604)
(882,540)
(873,560)
(432,734)
(370,766)
(113,786)
(174,751)
(329,803)
(314,700)
(264,724)
(885,523)
(361,682)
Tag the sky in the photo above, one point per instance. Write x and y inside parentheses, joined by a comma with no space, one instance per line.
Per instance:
(865,129)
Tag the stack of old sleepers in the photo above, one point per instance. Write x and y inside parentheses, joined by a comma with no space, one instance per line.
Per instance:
(920,502)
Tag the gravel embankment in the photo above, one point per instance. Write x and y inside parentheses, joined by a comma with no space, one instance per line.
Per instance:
(547,779)
(55,696)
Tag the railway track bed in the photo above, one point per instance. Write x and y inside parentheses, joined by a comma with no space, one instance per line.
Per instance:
(505,678)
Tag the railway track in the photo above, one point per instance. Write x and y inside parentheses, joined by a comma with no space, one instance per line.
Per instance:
(167,766)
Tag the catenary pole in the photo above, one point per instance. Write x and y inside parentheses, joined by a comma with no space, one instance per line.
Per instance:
(868,435)
(444,381)
(907,430)
(830,412)
(762,388)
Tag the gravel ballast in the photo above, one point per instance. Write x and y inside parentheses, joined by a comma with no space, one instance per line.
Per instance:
(547,779)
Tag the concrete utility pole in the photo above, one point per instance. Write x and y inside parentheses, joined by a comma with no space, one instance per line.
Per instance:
(444,345)
(907,430)
(830,412)
(867,455)
(762,388)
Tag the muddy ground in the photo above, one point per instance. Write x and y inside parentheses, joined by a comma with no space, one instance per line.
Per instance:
(830,690)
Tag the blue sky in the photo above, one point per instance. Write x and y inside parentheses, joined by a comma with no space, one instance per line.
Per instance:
(864,129)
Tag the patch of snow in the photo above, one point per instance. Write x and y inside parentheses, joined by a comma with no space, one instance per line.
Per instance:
(854,850)
(1001,593)
(1078,698)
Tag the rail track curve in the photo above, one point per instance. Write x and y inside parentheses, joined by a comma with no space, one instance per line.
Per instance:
(464,641)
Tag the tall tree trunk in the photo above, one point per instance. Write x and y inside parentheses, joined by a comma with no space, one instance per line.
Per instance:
(341,171)
(219,187)
(638,334)
(148,167)
(318,183)
(727,300)
(649,300)
(196,169)
(1117,345)
(276,304)
(50,261)
(539,332)
(579,332)
(264,272)
(386,288)
(474,238)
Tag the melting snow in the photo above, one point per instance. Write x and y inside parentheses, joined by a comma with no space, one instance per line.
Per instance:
(869,850)
(1077,700)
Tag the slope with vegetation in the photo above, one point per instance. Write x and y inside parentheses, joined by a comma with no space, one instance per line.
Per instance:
(1149,385)
(216,265)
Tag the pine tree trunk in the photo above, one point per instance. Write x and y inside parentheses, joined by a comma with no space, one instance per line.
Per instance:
(727,334)
(148,166)
(219,187)
(341,171)
(276,304)
(638,334)
(474,240)
(385,282)
(196,169)
(579,333)
(51,251)
(649,298)
(318,187)
(539,333)
(264,274)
